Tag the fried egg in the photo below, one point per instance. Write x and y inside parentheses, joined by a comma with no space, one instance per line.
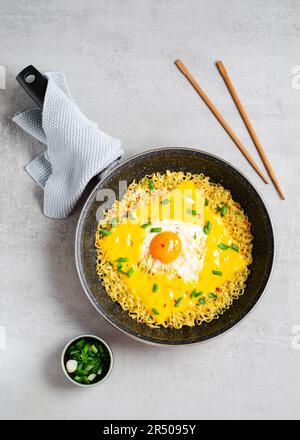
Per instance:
(173,248)
(164,251)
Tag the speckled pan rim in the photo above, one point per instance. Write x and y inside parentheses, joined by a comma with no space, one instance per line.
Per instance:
(143,339)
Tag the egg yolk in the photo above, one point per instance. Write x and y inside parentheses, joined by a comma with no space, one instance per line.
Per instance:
(166,247)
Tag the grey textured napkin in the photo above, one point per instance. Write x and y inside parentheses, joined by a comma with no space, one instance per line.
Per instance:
(76,149)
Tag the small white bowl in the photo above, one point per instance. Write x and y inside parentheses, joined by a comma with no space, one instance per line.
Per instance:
(64,366)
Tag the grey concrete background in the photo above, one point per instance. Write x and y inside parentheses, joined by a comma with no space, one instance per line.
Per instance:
(118,57)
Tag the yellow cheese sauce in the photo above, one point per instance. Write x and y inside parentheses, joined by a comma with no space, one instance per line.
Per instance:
(162,294)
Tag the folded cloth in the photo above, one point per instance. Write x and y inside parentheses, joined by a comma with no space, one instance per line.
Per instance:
(76,149)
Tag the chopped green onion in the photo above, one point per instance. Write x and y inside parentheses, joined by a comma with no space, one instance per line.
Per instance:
(155,229)
(198,294)
(74,352)
(122,259)
(178,301)
(130,272)
(94,348)
(212,295)
(119,267)
(132,215)
(207,227)
(92,358)
(195,235)
(151,184)
(155,311)
(105,231)
(206,202)
(235,248)
(223,246)
(165,201)
(155,288)
(80,343)
(191,211)
(145,225)
(222,210)
(217,272)
(201,301)
(193,293)
(85,348)
(113,222)
(89,367)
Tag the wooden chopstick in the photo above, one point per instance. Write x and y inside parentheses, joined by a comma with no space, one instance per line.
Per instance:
(249,127)
(220,118)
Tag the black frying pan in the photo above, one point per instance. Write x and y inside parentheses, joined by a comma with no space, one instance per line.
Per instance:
(174,159)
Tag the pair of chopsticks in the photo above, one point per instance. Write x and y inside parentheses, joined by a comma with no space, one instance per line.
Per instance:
(228,129)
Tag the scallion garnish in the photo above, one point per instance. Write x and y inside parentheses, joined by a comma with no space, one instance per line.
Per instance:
(155,311)
(130,272)
(155,229)
(207,227)
(178,301)
(217,272)
(223,246)
(122,260)
(206,202)
(132,215)
(222,210)
(235,248)
(155,287)
(201,301)
(212,295)
(151,184)
(113,222)
(145,225)
(198,294)
(91,359)
(94,349)
(104,231)
(193,293)
(165,201)
(191,211)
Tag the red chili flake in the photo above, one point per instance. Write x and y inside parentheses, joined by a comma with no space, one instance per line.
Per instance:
(218,289)
(238,205)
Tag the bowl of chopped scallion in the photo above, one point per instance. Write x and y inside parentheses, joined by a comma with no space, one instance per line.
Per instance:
(87,360)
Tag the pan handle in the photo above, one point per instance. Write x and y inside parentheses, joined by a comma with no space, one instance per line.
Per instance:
(34,84)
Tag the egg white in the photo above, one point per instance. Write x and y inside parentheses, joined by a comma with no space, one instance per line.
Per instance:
(189,263)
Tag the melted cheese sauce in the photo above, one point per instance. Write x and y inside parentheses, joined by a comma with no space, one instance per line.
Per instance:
(126,240)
